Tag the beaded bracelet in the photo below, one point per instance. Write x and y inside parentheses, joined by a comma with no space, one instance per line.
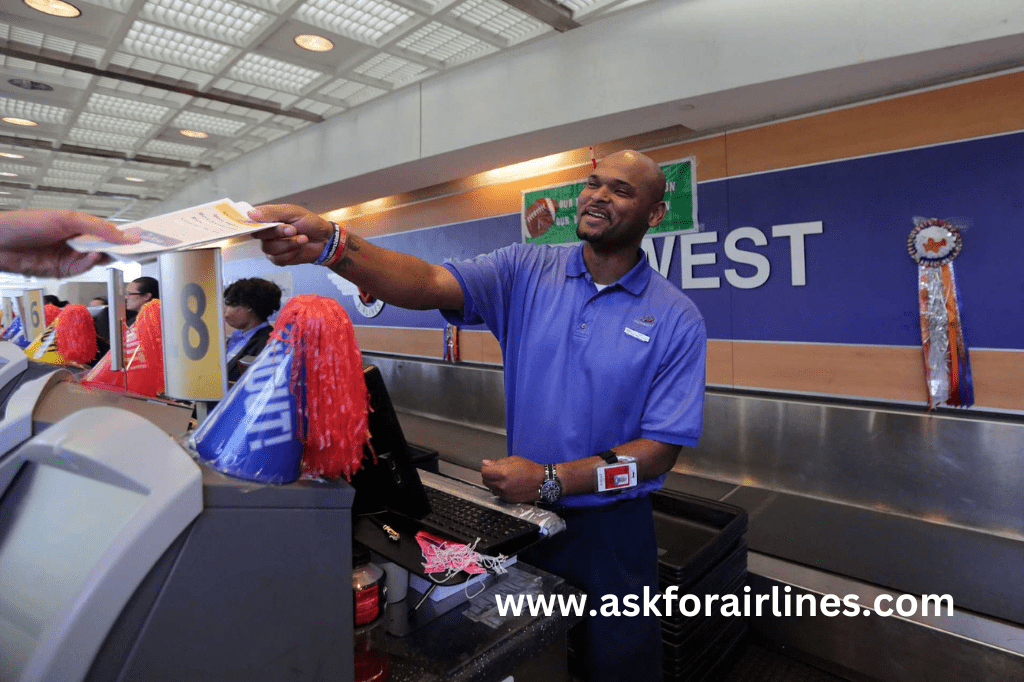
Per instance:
(330,247)
(342,242)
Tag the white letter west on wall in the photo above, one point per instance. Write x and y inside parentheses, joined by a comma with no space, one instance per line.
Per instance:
(691,261)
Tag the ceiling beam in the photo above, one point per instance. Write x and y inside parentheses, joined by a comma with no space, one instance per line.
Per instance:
(551,14)
(217,96)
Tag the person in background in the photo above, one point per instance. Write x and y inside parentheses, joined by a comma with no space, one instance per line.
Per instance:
(247,305)
(50,299)
(603,358)
(34,243)
(138,293)
(97,302)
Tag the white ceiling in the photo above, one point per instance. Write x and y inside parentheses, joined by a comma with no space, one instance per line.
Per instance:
(111,89)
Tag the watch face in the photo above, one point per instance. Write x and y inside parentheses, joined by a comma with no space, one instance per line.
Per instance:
(550,491)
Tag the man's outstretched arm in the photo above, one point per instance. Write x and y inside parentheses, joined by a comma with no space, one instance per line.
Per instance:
(396,278)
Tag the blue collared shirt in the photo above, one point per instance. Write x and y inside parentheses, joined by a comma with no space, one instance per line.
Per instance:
(586,371)
(239,339)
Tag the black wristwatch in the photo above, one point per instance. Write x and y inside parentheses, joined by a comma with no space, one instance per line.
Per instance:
(551,488)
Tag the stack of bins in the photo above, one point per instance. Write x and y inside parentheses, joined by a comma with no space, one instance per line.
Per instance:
(702,552)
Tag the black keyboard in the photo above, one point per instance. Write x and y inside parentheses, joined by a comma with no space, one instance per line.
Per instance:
(461,520)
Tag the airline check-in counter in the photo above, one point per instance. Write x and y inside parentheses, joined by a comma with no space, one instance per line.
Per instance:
(820,482)
(124,558)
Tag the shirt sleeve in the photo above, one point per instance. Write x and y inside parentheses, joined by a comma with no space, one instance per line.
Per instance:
(674,412)
(486,283)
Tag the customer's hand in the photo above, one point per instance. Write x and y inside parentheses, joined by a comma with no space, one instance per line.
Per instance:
(35,242)
(300,238)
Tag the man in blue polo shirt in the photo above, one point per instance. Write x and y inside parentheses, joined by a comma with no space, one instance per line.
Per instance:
(601,354)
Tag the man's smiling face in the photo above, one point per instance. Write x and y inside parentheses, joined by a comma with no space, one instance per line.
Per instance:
(617,206)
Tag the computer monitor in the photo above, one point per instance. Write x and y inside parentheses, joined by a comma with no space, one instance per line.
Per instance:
(387,481)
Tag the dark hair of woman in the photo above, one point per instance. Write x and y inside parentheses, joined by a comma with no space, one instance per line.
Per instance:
(261,296)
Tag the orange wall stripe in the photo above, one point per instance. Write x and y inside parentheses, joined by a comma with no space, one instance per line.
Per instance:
(880,372)
(959,112)
(494,200)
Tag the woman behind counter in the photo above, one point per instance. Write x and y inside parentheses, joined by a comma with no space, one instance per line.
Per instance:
(247,305)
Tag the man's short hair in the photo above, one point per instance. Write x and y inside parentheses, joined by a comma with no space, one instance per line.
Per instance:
(261,296)
(148,285)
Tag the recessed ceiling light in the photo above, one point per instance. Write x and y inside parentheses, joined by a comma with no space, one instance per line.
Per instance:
(314,43)
(134,179)
(8,175)
(57,8)
(4,192)
(9,155)
(28,84)
(18,121)
(197,134)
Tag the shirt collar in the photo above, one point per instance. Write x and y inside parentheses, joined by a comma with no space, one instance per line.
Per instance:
(633,281)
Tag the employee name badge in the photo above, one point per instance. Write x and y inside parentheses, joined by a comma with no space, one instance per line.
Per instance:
(617,476)
(191,315)
(34,314)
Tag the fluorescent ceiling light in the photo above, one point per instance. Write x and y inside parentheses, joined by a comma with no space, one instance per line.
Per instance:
(56,8)
(9,155)
(195,134)
(18,121)
(313,43)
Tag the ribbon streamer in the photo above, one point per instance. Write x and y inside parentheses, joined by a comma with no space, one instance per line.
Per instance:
(451,343)
(933,244)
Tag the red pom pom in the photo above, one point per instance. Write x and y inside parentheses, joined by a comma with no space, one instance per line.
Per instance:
(148,379)
(335,402)
(51,312)
(76,335)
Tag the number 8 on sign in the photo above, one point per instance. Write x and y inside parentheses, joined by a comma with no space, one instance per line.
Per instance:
(194,322)
(192,315)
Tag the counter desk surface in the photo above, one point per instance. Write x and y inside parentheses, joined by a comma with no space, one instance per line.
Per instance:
(454,648)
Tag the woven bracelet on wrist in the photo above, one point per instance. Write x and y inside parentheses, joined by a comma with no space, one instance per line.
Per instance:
(342,242)
(330,248)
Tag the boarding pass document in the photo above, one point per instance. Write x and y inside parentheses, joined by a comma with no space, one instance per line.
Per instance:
(185,229)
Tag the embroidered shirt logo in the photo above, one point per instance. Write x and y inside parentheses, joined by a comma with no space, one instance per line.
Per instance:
(644,320)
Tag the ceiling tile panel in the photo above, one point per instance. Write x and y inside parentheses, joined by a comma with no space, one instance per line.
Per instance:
(208,124)
(94,138)
(172,149)
(445,44)
(272,73)
(175,47)
(215,19)
(112,124)
(500,19)
(368,21)
(33,111)
(119,106)
(393,69)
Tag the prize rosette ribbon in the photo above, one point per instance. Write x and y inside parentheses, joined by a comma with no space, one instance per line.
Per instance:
(933,244)
(144,358)
(69,340)
(300,409)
